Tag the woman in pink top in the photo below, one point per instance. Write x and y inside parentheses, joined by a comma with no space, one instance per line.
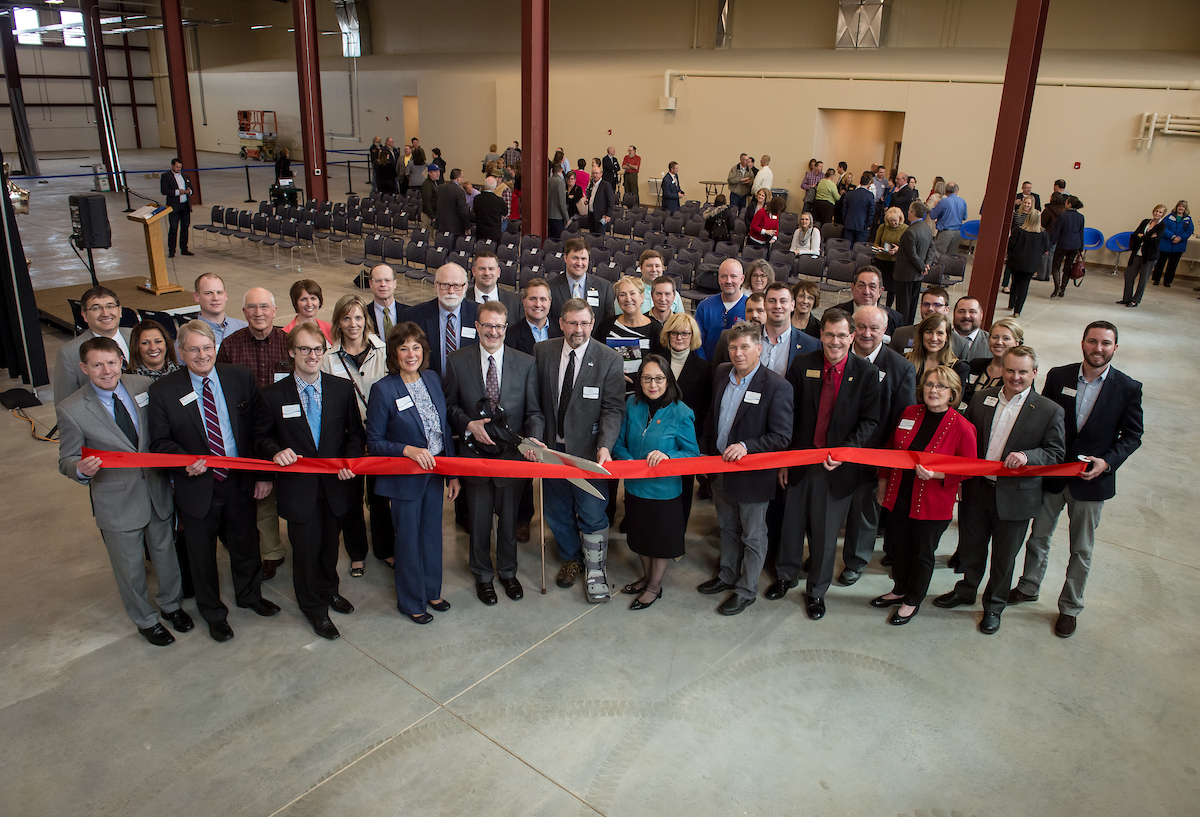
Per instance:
(307,299)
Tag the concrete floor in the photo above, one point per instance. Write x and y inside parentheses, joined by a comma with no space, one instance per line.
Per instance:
(550,706)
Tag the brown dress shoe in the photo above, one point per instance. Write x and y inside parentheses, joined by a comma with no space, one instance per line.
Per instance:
(269,568)
(522,531)
(1065,626)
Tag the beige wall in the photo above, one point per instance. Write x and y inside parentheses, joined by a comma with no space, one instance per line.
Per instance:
(859,138)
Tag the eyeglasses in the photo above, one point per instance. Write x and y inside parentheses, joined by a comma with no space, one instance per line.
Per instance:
(577,324)
(104,308)
(493,327)
(258,307)
(647,380)
(686,334)
(311,350)
(196,350)
(935,386)
(450,287)
(843,336)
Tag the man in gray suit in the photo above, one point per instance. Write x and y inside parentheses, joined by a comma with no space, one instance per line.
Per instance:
(968,316)
(132,506)
(1018,427)
(453,214)
(581,389)
(913,258)
(482,381)
(557,214)
(577,282)
(102,313)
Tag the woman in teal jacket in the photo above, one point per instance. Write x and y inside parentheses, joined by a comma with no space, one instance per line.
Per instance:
(657,426)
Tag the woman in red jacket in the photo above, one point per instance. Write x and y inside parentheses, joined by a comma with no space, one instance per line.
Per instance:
(920,501)
(765,225)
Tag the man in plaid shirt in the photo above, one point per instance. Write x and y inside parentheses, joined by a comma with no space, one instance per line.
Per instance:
(511,155)
(262,348)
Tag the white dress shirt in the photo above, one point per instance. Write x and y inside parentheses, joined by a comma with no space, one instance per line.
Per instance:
(1002,424)
(562,362)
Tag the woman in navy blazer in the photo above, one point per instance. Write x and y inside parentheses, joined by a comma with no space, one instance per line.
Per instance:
(406,417)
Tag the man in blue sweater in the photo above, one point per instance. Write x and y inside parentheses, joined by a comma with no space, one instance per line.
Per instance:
(719,312)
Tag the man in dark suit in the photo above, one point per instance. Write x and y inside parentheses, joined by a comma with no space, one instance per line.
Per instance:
(968,318)
(866,290)
(447,320)
(489,210)
(897,391)
(858,211)
(532,324)
(1018,427)
(610,166)
(751,413)
(581,389)
(313,415)
(102,314)
(1102,410)
(670,188)
(132,506)
(837,404)
(913,258)
(601,198)
(479,381)
(485,272)
(209,408)
(178,191)
(384,310)
(577,282)
(453,214)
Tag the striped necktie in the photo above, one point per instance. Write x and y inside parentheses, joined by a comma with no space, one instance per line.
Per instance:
(212,429)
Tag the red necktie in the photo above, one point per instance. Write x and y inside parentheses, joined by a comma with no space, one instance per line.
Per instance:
(824,410)
(212,429)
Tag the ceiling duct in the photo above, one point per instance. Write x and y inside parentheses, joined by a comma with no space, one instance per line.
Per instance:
(860,24)
(723,35)
(355,28)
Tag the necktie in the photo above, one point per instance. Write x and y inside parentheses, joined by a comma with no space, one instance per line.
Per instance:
(577,292)
(387,321)
(124,421)
(564,397)
(485,298)
(824,410)
(451,340)
(313,412)
(493,382)
(212,430)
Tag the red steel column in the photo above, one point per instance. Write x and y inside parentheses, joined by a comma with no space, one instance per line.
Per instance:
(181,93)
(101,93)
(312,119)
(1016,101)
(535,114)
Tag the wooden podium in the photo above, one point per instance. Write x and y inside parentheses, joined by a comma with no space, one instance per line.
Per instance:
(149,217)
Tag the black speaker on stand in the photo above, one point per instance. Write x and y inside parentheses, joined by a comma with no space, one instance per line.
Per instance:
(89,226)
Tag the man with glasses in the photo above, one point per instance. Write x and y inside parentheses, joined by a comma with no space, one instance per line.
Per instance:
(448,320)
(210,408)
(102,314)
(487,385)
(866,290)
(581,388)
(385,312)
(262,348)
(837,405)
(934,300)
(313,415)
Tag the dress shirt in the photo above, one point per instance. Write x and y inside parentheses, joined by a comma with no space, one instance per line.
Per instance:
(871,357)
(392,308)
(1002,424)
(227,440)
(775,353)
(578,286)
(562,364)
(732,398)
(301,385)
(181,183)
(949,213)
(443,313)
(539,333)
(839,369)
(106,400)
(484,354)
(1086,394)
(224,328)
(969,338)
(481,297)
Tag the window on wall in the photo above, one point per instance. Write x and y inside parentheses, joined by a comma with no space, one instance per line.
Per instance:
(72,36)
(24,19)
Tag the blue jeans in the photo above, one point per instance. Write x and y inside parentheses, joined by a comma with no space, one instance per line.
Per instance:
(570,511)
(736,200)
(855,236)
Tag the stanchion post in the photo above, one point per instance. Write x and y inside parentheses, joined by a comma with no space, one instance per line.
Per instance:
(249,196)
(349,179)
(125,184)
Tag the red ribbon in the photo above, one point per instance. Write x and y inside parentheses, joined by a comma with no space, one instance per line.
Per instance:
(622,469)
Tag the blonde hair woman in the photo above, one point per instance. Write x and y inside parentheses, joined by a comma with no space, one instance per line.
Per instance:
(680,338)
(631,332)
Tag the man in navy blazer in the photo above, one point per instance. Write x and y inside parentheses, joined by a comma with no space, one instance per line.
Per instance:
(448,320)
(751,413)
(601,198)
(178,192)
(670,188)
(837,405)
(313,415)
(858,211)
(1103,420)
(577,282)
(897,391)
(531,325)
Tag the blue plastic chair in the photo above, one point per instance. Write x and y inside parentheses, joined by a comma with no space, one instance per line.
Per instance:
(1093,239)
(1118,243)
(970,231)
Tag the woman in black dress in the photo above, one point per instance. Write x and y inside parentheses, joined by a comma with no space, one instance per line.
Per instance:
(1143,253)
(680,339)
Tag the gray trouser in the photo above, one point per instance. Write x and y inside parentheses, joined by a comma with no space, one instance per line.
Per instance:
(812,508)
(743,540)
(129,569)
(1085,518)
(947,241)
(862,524)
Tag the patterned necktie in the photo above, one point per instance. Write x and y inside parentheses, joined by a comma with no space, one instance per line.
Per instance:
(387,321)
(451,339)
(212,429)
(492,385)
(824,410)
(124,421)
(564,397)
(313,412)
(486,298)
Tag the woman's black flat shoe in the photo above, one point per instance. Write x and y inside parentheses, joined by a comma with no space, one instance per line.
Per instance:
(882,602)
(634,588)
(424,618)
(638,605)
(898,619)
(441,606)
(356,572)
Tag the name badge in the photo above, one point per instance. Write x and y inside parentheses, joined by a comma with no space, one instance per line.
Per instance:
(403,403)
(143,399)
(909,345)
(906,425)
(593,300)
(291,412)
(468,331)
(882,375)
(280,376)
(644,343)
(591,392)
(752,397)
(1069,392)
(188,399)
(813,373)
(990,401)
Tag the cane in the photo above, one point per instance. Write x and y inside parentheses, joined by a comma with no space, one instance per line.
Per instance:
(542,525)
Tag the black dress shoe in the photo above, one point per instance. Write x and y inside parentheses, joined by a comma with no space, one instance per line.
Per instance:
(512,588)
(948,601)
(186,252)
(778,590)
(898,619)
(886,560)
(339,604)
(180,620)
(1015,596)
(325,628)
(734,605)
(441,605)
(714,586)
(522,531)
(423,618)
(882,601)
(990,623)
(157,635)
(262,607)
(1064,627)
(170,255)
(220,630)
(815,607)
(638,604)
(486,593)
(849,577)
(269,568)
